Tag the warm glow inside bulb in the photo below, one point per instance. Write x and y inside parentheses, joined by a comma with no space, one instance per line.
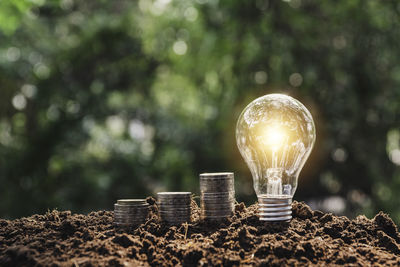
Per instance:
(274,137)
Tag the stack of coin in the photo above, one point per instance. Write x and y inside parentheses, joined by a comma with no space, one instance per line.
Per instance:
(217,197)
(130,212)
(174,207)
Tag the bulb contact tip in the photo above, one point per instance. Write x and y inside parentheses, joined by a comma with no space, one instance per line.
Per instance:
(274,209)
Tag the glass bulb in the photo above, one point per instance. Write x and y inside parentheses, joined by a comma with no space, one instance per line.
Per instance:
(275,135)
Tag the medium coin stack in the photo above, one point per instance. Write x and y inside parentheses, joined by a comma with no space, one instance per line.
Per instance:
(217,197)
(130,212)
(174,207)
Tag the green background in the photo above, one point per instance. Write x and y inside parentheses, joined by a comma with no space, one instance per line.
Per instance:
(101,100)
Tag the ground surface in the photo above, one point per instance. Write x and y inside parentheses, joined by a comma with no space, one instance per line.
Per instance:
(311,238)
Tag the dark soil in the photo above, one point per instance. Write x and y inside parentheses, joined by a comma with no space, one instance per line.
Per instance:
(311,238)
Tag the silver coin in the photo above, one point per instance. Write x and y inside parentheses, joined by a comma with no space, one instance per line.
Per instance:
(173,195)
(127,207)
(131,201)
(180,202)
(217,175)
(177,205)
(174,209)
(215,188)
(174,201)
(132,211)
(216,183)
(222,209)
(218,200)
(216,179)
(175,214)
(218,195)
(216,206)
(174,218)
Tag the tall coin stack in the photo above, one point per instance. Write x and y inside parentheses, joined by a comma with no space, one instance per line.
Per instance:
(174,207)
(130,212)
(217,197)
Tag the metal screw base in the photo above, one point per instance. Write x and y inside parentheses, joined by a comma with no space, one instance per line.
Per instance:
(275,209)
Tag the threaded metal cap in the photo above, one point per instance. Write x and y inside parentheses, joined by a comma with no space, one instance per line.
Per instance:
(274,209)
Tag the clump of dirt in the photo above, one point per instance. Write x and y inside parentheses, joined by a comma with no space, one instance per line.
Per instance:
(310,238)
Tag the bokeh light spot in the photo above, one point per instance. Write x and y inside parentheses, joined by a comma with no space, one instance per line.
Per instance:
(395,156)
(13,54)
(115,125)
(260,77)
(29,90)
(180,47)
(339,155)
(19,101)
(339,42)
(66,4)
(295,79)
(137,130)
(191,14)
(41,70)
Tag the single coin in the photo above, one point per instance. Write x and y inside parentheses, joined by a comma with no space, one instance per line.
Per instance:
(216,207)
(216,175)
(172,215)
(174,194)
(218,195)
(175,210)
(127,207)
(131,211)
(216,188)
(174,202)
(131,201)
(218,199)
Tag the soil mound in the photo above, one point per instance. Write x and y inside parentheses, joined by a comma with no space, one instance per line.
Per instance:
(311,238)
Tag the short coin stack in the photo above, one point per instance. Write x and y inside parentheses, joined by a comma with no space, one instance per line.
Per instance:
(217,195)
(174,207)
(130,212)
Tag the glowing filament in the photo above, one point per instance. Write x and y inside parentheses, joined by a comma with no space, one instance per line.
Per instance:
(274,137)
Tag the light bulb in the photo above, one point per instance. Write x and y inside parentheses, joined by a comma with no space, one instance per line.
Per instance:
(275,135)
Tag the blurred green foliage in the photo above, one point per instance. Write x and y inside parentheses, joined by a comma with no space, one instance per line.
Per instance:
(101,100)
